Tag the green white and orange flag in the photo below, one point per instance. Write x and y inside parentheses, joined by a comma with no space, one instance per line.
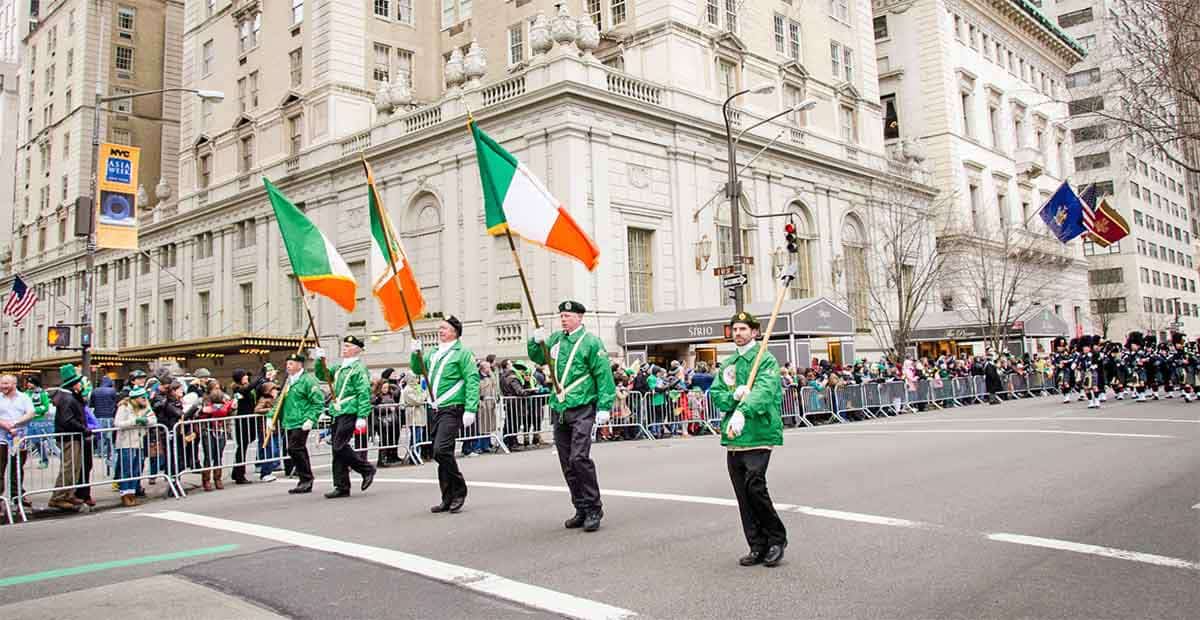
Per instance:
(315,261)
(391,273)
(516,201)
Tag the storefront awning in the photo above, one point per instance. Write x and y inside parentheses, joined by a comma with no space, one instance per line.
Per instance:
(798,317)
(955,326)
(215,346)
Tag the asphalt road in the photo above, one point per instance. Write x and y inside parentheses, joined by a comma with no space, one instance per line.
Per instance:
(1031,509)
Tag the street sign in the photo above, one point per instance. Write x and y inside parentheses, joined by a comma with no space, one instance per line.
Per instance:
(737,280)
(726,270)
(743,260)
(1176,325)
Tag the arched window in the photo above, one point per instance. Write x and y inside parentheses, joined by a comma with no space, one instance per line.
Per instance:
(422,238)
(854,260)
(802,286)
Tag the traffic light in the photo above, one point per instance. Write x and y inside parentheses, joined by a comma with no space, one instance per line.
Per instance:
(789,235)
(58,336)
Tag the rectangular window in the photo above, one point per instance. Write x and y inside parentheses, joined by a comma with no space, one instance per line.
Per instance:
(204,174)
(167,320)
(1074,18)
(595,12)
(780,33)
(247,290)
(1092,162)
(122,328)
(296,63)
(994,126)
(102,330)
(383,8)
(641,264)
(245,234)
(126,16)
(124,58)
(881,28)
(207,58)
(516,44)
(619,14)
(794,40)
(891,117)
(243,93)
(1086,105)
(144,323)
(383,59)
(447,13)
(1091,132)
(835,56)
(731,16)
(205,303)
(295,135)
(712,13)
(404,11)
(1115,275)
(404,66)
(297,11)
(849,125)
(727,77)
(246,148)
(840,10)
(253,90)
(966,100)
(848,64)
(1083,78)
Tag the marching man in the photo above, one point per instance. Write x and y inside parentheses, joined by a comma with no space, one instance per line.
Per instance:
(351,408)
(751,426)
(300,405)
(583,399)
(454,396)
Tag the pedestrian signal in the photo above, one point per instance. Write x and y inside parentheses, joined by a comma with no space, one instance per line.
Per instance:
(789,235)
(58,336)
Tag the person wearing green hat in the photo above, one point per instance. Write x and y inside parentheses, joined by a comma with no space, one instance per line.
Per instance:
(134,416)
(69,418)
(751,426)
(582,400)
(299,406)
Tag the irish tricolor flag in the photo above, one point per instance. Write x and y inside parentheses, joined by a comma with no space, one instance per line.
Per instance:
(315,262)
(392,279)
(516,201)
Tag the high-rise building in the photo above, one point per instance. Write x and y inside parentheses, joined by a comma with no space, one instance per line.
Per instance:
(72,51)
(979,89)
(616,105)
(1148,281)
(11,31)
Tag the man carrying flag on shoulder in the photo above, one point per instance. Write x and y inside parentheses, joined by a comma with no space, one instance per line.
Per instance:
(351,408)
(300,405)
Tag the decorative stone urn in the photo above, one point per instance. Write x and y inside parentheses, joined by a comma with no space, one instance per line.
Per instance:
(539,35)
(383,101)
(589,37)
(454,70)
(400,94)
(564,29)
(162,191)
(476,65)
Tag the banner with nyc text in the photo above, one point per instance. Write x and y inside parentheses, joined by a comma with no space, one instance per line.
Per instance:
(116,203)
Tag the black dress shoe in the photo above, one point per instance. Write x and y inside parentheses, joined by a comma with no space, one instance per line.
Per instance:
(440,508)
(591,522)
(336,493)
(576,521)
(773,556)
(368,479)
(752,559)
(301,488)
(456,505)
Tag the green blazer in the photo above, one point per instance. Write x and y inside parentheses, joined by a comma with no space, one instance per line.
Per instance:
(761,407)
(453,376)
(582,367)
(351,387)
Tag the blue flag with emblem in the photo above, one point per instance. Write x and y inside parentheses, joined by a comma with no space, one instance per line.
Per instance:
(1063,214)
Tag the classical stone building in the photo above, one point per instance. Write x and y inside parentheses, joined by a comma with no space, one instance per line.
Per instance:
(615,105)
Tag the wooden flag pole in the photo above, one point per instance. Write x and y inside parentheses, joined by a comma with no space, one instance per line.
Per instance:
(387,232)
(282,394)
(533,312)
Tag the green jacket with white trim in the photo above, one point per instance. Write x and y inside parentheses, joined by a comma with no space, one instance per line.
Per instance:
(582,366)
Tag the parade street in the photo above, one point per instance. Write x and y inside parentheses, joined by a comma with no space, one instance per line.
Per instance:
(1031,509)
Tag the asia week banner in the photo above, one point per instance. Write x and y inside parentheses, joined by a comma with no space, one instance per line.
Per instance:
(116,210)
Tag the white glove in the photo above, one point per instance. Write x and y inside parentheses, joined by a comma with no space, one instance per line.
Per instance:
(324,419)
(602,418)
(360,424)
(736,423)
(741,392)
(539,335)
(415,347)
(317,353)
(270,427)
(307,426)
(468,418)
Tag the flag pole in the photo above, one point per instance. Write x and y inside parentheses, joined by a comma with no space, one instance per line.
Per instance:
(512,246)
(387,232)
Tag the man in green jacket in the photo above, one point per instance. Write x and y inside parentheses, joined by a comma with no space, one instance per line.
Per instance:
(351,407)
(454,401)
(751,426)
(582,399)
(300,404)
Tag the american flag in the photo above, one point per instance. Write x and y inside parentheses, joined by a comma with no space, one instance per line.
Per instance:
(21,301)
(1104,223)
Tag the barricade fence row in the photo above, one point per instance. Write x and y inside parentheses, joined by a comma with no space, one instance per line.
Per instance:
(64,467)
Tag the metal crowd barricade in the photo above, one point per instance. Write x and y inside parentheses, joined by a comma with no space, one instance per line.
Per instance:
(625,419)
(980,384)
(941,392)
(1018,385)
(201,445)
(11,461)
(525,418)
(792,410)
(850,399)
(78,468)
(1037,384)
(816,402)
(892,395)
(660,417)
(873,400)
(964,391)
(922,395)
(391,434)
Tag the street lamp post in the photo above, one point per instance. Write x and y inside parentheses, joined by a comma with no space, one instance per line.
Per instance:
(90,263)
(733,188)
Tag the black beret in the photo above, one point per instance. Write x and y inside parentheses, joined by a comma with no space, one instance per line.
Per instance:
(297,357)
(571,306)
(745,317)
(354,340)
(456,324)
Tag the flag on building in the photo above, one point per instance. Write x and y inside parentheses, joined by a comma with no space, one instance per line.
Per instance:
(1063,214)
(315,262)
(392,279)
(516,201)
(1104,223)
(20,301)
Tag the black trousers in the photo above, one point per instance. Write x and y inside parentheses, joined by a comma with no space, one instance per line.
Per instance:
(443,429)
(245,432)
(297,442)
(345,457)
(748,473)
(573,442)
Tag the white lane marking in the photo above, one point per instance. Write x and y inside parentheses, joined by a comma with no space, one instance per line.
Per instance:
(1108,552)
(1034,541)
(1196,507)
(480,581)
(1035,431)
(1055,419)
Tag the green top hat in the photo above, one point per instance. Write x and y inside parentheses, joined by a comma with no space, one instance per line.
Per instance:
(69,375)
